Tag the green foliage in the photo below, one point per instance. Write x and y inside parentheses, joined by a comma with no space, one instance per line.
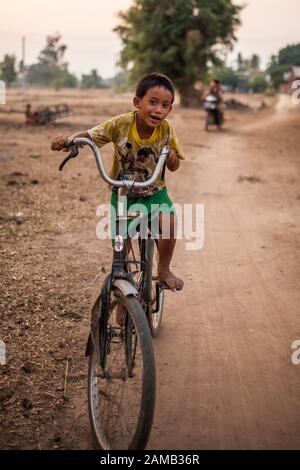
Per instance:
(57,84)
(120,81)
(287,57)
(66,80)
(258,83)
(53,52)
(246,64)
(228,77)
(290,55)
(50,69)
(175,37)
(93,80)
(255,62)
(50,74)
(42,74)
(276,72)
(7,69)
(270,91)
(245,78)
(240,61)
(69,80)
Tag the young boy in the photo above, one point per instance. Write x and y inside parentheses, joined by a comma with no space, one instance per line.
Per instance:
(138,139)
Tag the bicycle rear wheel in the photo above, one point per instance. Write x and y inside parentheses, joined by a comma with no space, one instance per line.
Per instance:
(121,391)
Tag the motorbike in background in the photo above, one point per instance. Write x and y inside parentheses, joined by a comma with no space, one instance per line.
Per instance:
(214,113)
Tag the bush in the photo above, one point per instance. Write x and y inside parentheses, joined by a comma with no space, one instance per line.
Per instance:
(270,91)
(258,83)
(69,80)
(57,84)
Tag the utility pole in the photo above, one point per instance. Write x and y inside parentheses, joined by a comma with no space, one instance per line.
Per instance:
(22,66)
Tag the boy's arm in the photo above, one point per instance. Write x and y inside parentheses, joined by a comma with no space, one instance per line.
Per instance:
(173,161)
(59,141)
(101,135)
(176,154)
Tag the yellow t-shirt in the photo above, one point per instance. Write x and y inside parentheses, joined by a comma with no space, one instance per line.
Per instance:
(135,158)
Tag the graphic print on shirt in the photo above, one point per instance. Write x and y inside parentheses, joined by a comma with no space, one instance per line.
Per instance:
(138,168)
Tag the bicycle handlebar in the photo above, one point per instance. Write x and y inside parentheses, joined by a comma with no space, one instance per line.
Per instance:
(74,145)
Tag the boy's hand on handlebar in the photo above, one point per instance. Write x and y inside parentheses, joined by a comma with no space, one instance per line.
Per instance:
(172,160)
(58,143)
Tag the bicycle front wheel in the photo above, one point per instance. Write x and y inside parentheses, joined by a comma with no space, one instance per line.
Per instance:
(121,384)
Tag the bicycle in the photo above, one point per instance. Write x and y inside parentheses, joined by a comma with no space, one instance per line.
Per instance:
(214,114)
(121,372)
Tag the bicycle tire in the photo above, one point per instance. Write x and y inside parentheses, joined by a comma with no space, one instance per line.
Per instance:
(154,312)
(110,419)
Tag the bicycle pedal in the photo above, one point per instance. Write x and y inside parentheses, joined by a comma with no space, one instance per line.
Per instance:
(163,285)
(160,284)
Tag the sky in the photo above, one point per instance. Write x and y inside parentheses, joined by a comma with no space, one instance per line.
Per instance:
(86,28)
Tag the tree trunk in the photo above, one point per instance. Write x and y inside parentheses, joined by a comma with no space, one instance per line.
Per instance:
(190,97)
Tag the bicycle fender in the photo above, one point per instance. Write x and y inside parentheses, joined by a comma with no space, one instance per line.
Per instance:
(99,305)
(125,287)
(94,319)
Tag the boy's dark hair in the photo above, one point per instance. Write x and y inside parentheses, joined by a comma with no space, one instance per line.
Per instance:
(152,80)
(216,81)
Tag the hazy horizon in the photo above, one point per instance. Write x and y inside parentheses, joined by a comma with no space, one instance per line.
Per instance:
(267,26)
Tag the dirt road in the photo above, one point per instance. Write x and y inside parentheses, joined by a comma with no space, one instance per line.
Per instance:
(229,365)
(225,375)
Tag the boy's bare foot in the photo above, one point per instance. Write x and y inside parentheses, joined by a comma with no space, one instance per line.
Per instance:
(173,282)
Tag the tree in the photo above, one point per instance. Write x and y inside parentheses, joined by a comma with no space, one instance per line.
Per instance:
(240,61)
(66,80)
(50,70)
(93,80)
(273,61)
(258,83)
(7,69)
(228,77)
(276,73)
(69,80)
(53,52)
(255,62)
(287,57)
(178,38)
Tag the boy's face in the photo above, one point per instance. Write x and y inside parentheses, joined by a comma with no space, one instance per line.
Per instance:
(154,107)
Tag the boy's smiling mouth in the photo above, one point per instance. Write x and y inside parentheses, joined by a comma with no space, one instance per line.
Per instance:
(155,118)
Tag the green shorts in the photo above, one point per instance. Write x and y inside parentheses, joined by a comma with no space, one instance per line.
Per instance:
(150,207)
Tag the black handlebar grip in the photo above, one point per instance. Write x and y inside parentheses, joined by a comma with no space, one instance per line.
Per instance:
(73,154)
(68,143)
